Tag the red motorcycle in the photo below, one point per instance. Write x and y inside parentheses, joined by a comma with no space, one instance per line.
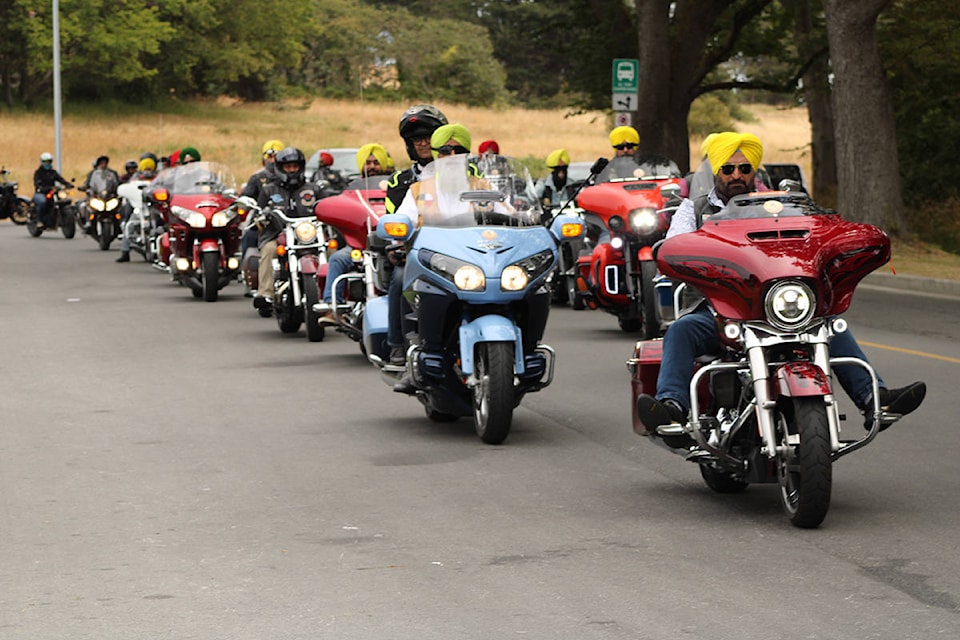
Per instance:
(198,203)
(777,270)
(625,216)
(354,213)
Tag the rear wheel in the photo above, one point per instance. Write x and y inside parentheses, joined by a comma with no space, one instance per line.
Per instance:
(210,263)
(650,306)
(32,227)
(493,394)
(629,324)
(804,470)
(311,296)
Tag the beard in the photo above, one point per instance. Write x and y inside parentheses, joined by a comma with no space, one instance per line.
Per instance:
(736,188)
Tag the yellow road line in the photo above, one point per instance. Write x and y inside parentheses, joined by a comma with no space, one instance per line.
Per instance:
(922,354)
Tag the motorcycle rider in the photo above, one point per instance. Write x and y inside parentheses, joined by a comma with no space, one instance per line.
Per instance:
(188,155)
(489,147)
(417,125)
(102,163)
(130,168)
(551,189)
(147,171)
(372,160)
(45,179)
(292,194)
(626,143)
(733,157)
(268,172)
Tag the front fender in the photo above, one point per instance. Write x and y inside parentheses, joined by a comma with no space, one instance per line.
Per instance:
(489,328)
(209,244)
(309,264)
(799,379)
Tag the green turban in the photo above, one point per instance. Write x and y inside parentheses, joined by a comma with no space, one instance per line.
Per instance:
(189,154)
(443,135)
(724,145)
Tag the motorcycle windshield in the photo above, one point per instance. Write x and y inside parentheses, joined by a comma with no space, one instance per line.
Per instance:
(103,182)
(464,191)
(629,168)
(196,178)
(769,204)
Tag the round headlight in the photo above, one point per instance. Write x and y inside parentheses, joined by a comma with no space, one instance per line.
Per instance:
(469,278)
(789,305)
(513,278)
(643,221)
(306,232)
(615,223)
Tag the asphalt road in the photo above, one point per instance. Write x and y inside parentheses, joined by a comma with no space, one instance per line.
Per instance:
(176,469)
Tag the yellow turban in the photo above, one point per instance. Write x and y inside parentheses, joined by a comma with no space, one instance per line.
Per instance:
(706,143)
(728,143)
(622,135)
(272,147)
(557,158)
(443,134)
(377,151)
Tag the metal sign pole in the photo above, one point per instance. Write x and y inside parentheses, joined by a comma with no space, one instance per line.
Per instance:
(56,84)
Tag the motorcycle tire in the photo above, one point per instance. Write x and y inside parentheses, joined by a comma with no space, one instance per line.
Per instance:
(21,212)
(288,320)
(69,225)
(210,263)
(311,296)
(630,324)
(32,227)
(805,471)
(576,302)
(650,305)
(106,235)
(493,396)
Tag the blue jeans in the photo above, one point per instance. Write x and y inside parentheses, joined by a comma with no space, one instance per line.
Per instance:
(40,200)
(338,264)
(695,334)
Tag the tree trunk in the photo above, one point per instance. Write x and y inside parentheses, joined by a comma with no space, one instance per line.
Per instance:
(867,165)
(816,94)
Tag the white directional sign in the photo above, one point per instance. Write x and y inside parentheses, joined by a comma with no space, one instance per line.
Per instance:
(625,101)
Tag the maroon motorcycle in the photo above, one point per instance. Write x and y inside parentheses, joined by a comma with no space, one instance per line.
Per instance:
(778,270)
(198,203)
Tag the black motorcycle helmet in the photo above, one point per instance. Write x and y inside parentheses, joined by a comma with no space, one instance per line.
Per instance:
(419,121)
(131,166)
(294,179)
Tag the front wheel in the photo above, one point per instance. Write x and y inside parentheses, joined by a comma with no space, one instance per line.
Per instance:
(68,223)
(311,296)
(493,395)
(21,212)
(106,234)
(804,470)
(210,263)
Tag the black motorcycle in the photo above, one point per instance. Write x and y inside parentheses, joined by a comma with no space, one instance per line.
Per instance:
(61,214)
(11,205)
(100,211)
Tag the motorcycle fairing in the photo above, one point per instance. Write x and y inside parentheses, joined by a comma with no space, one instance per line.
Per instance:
(732,260)
(489,248)
(489,328)
(352,213)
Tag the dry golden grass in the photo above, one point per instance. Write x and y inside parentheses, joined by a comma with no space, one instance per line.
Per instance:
(232,133)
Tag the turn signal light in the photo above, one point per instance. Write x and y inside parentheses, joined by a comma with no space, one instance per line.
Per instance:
(161,195)
(572,230)
(395,229)
(282,250)
(333,244)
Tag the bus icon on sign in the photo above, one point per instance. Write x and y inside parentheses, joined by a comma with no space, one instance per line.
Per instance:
(625,72)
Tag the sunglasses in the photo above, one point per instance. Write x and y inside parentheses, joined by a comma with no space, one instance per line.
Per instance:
(728,169)
(448,149)
(625,145)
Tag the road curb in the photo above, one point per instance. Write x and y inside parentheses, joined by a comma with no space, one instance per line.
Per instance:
(914,284)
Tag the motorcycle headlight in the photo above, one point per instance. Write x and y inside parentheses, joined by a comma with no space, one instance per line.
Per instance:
(643,221)
(112,204)
(222,218)
(305,231)
(96,204)
(467,277)
(192,218)
(519,274)
(789,305)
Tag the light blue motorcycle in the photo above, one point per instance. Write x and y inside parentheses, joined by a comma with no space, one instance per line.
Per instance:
(479,259)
